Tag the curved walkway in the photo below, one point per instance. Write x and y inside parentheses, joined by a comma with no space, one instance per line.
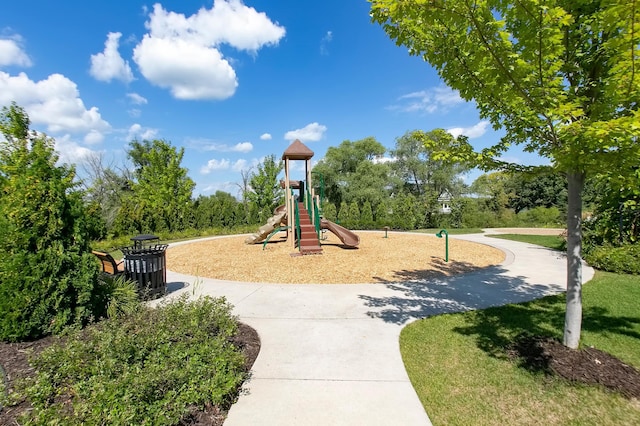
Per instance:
(330,353)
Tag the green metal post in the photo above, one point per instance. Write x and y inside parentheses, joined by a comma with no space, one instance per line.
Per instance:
(446,243)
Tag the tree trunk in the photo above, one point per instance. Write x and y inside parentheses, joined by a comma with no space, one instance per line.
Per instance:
(573,316)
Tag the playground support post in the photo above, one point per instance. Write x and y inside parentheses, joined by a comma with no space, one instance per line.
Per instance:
(446,244)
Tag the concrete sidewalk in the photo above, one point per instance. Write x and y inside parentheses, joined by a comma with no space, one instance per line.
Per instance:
(330,353)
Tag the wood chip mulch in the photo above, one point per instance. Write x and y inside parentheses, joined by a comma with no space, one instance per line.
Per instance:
(587,365)
(400,257)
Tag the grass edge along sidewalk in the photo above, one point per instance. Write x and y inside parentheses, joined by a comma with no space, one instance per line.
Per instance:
(462,368)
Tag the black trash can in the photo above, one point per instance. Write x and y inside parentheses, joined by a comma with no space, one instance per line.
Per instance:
(148,267)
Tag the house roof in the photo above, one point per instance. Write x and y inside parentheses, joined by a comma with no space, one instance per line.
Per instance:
(445,196)
(297,151)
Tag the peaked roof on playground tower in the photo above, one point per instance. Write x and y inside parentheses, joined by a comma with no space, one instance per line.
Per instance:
(297,151)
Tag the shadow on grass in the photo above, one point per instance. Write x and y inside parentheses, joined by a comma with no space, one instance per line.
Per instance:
(496,329)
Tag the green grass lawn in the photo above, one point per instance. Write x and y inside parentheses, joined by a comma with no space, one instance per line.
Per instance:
(454,231)
(551,241)
(460,368)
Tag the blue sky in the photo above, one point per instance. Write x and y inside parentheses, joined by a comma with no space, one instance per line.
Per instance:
(229,81)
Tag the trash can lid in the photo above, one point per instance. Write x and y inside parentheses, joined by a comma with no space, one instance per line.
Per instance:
(145,237)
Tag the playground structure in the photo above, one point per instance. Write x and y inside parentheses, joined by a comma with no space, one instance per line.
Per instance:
(301,215)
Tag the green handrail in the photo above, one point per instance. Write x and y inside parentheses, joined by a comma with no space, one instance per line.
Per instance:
(316,215)
(274,232)
(307,200)
(297,219)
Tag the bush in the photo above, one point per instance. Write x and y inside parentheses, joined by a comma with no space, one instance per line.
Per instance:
(366,217)
(47,275)
(621,260)
(148,367)
(542,216)
(329,211)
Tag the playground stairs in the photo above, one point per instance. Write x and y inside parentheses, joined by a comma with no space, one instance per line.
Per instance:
(309,243)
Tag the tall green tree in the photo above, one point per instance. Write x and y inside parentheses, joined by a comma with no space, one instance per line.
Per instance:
(266,193)
(366,216)
(493,190)
(404,215)
(422,174)
(560,77)
(540,187)
(47,274)
(219,210)
(616,219)
(352,172)
(161,194)
(106,188)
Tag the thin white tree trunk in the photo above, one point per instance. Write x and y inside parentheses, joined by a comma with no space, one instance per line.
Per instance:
(573,317)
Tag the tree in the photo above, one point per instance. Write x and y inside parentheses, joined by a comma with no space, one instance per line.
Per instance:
(404,213)
(492,188)
(343,214)
(423,175)
(426,176)
(47,275)
(266,192)
(354,215)
(352,172)
(541,187)
(366,216)
(161,198)
(616,219)
(105,188)
(559,76)
(329,211)
(381,214)
(220,210)
(245,188)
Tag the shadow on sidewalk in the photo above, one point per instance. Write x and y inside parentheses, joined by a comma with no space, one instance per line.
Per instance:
(427,293)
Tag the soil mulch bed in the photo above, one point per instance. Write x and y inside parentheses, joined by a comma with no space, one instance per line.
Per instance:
(400,257)
(14,365)
(587,365)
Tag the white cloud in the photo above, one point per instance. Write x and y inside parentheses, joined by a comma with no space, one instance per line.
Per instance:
(265,137)
(471,132)
(437,99)
(220,147)
(134,112)
(54,103)
(201,72)
(93,137)
(243,164)
(243,147)
(212,188)
(71,152)
(12,53)
(239,165)
(109,65)
(310,133)
(383,160)
(136,99)
(324,43)
(136,131)
(213,165)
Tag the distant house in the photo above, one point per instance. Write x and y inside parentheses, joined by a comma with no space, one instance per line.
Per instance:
(445,202)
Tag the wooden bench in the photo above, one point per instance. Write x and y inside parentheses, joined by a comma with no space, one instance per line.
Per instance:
(109,264)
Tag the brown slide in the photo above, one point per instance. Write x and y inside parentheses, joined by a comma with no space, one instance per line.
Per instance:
(347,237)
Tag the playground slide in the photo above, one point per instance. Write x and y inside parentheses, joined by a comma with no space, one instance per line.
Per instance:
(273,222)
(347,237)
